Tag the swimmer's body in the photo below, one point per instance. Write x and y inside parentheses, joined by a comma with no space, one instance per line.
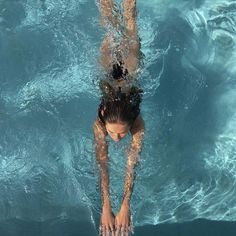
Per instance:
(118,115)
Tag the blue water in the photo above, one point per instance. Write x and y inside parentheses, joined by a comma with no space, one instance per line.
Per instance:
(48,100)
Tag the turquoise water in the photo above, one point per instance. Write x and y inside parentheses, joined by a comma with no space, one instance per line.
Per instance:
(49,97)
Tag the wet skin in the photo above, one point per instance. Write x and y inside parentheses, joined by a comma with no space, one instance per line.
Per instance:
(119,223)
(117,131)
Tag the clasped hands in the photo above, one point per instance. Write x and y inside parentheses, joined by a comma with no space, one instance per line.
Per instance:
(119,225)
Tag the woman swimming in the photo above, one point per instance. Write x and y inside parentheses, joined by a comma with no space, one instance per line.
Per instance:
(119,112)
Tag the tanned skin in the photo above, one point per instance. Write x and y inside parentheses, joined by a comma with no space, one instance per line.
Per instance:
(119,224)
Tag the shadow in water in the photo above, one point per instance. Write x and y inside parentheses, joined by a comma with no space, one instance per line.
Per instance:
(198,227)
(186,96)
(46,228)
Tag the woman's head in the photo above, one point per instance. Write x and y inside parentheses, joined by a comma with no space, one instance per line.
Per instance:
(118,117)
(119,110)
(118,130)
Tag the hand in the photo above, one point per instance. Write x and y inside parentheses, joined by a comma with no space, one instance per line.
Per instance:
(107,223)
(122,221)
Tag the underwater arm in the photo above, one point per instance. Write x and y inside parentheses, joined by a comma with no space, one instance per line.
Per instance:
(107,218)
(133,158)
(102,160)
(123,221)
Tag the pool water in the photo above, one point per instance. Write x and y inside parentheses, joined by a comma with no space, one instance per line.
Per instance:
(49,96)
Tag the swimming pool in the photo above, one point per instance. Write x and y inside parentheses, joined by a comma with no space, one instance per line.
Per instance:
(49,97)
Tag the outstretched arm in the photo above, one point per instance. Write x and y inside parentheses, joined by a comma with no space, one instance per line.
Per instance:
(107,218)
(133,156)
(123,217)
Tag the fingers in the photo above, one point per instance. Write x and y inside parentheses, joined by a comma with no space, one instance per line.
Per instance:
(117,230)
(100,230)
(122,231)
(131,228)
(125,231)
(104,231)
(107,231)
(112,230)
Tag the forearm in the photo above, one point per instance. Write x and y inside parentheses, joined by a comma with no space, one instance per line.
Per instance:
(132,161)
(104,183)
(130,173)
(129,183)
(102,161)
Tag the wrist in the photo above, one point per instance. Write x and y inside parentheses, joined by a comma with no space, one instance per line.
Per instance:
(125,203)
(106,206)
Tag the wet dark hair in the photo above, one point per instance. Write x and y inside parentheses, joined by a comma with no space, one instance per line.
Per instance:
(122,107)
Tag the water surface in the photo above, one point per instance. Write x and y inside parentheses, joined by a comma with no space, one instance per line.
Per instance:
(49,97)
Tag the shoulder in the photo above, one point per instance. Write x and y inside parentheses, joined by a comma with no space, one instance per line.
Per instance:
(99,128)
(138,125)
